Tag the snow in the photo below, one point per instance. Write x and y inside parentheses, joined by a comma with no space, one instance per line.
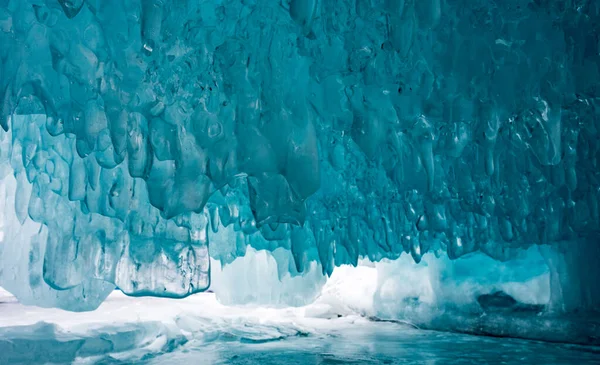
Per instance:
(147,325)
(199,330)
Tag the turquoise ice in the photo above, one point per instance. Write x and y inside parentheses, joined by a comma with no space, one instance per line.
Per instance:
(143,137)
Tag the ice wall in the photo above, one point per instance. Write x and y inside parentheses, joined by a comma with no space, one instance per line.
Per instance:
(420,292)
(140,131)
(266,279)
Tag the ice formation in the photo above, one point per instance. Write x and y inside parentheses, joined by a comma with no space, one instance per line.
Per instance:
(139,135)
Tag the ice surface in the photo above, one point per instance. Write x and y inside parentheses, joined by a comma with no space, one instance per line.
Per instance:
(138,132)
(165,331)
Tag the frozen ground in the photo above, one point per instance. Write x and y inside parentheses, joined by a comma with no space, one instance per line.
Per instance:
(198,330)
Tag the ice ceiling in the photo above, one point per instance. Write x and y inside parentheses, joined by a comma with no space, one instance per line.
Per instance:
(143,134)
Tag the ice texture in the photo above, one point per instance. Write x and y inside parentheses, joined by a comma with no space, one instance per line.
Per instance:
(136,132)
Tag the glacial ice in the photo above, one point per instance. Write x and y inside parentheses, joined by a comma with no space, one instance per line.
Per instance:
(143,137)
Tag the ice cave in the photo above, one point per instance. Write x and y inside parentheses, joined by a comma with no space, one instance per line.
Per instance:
(300,181)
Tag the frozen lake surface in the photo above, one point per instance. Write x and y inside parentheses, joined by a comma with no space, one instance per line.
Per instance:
(382,344)
(198,330)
